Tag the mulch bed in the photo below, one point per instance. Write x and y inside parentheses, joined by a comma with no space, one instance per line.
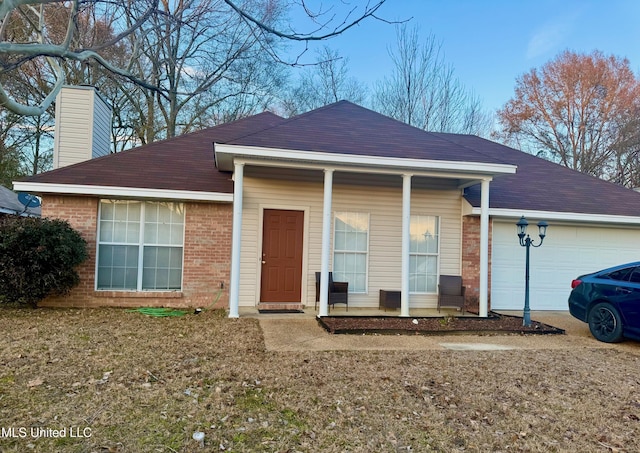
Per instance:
(494,324)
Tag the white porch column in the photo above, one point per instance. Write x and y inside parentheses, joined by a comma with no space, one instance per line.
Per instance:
(406,243)
(234,286)
(326,243)
(484,249)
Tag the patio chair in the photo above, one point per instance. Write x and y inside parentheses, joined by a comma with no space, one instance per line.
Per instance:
(338,292)
(451,292)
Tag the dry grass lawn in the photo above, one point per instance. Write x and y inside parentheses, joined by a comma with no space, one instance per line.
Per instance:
(131,383)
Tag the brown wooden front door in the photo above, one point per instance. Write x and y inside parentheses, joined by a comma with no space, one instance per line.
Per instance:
(282,240)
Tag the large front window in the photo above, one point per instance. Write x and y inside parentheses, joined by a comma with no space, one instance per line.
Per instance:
(140,245)
(350,250)
(423,254)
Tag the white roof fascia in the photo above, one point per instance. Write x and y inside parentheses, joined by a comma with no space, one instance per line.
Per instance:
(370,170)
(560,216)
(126,192)
(225,155)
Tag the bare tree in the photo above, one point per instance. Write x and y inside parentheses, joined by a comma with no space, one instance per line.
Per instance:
(206,61)
(323,83)
(138,17)
(579,110)
(423,90)
(32,136)
(9,155)
(38,43)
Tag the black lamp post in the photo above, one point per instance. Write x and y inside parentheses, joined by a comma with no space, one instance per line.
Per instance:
(528,242)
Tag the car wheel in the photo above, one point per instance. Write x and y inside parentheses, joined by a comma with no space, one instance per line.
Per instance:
(605,323)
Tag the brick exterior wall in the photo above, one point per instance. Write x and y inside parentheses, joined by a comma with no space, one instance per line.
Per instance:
(471,260)
(207,256)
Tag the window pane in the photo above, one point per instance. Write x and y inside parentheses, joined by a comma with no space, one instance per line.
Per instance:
(133,233)
(431,283)
(175,260)
(117,278)
(164,214)
(164,234)
(424,253)
(635,276)
(175,279)
(431,264)
(350,262)
(104,278)
(620,275)
(117,266)
(121,210)
(119,232)
(177,233)
(361,242)
(131,278)
(106,210)
(105,256)
(151,212)
(162,268)
(133,214)
(151,233)
(106,231)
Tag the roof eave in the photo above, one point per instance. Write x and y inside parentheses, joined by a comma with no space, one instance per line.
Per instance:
(121,192)
(227,154)
(577,217)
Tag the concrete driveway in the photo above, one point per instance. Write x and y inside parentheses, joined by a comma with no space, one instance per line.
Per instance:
(301,332)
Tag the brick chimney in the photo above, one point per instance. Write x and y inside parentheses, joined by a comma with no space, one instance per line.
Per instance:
(83,126)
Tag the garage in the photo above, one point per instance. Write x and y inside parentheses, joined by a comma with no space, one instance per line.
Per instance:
(567,251)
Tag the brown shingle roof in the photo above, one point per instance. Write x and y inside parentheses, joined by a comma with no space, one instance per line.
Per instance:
(187,162)
(347,128)
(181,163)
(542,185)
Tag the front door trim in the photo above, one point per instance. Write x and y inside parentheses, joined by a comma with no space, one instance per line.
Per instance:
(305,247)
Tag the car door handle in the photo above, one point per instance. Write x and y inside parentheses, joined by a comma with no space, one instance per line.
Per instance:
(623,290)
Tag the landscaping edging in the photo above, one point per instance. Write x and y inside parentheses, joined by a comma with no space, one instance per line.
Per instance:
(494,324)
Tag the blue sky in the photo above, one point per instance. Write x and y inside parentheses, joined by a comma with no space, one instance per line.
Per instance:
(492,42)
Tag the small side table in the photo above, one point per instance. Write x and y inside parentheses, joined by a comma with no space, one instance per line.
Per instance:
(389,299)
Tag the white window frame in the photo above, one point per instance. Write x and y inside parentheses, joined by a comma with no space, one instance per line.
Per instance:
(438,222)
(141,243)
(352,288)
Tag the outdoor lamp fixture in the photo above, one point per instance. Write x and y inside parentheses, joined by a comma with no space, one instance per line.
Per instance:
(527,242)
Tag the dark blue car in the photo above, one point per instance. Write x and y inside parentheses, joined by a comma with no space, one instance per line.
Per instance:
(609,300)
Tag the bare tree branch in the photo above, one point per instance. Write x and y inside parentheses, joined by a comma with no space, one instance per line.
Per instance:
(369,12)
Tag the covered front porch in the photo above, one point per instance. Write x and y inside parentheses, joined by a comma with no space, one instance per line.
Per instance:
(389,194)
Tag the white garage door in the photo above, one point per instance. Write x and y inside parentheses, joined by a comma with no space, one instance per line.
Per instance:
(567,251)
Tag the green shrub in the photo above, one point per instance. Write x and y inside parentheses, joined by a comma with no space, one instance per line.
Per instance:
(38,259)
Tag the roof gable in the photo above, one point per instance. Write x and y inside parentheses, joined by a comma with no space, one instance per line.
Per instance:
(347,128)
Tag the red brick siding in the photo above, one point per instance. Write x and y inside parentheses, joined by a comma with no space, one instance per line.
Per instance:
(471,260)
(207,255)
